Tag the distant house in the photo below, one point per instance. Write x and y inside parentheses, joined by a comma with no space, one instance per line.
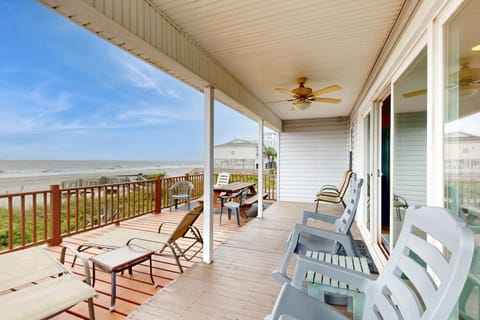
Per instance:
(462,154)
(236,154)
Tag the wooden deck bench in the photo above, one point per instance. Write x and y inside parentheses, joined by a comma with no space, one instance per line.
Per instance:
(34,285)
(330,290)
(253,199)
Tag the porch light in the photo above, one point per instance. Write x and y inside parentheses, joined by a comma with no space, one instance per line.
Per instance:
(302,104)
(476,48)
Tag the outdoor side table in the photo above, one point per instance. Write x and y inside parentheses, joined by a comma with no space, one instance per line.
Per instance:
(332,291)
(118,260)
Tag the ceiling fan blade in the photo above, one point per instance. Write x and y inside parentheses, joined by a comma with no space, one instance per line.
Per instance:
(414,93)
(326,90)
(286,91)
(275,101)
(328,100)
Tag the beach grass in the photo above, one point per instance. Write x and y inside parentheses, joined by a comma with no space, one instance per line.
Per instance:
(78,213)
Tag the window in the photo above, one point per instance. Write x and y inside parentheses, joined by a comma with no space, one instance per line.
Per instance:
(462,134)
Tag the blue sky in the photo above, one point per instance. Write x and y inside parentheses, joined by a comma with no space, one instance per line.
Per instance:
(68,94)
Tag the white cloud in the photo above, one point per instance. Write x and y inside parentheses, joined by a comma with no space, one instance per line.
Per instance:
(174,94)
(158,114)
(142,75)
(30,110)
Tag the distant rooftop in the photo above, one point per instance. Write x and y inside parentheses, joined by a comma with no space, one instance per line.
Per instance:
(238,143)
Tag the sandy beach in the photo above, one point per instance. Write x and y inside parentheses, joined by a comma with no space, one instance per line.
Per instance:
(36,183)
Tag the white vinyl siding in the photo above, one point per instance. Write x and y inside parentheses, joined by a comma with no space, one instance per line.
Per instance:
(410,157)
(312,153)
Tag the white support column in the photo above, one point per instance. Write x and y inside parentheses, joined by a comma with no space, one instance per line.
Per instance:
(260,169)
(208,177)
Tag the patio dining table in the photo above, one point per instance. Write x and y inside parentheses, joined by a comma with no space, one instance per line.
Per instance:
(230,189)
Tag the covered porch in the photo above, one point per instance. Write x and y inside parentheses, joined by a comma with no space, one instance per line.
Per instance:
(241,53)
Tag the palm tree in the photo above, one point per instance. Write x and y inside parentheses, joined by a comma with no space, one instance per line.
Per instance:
(270,153)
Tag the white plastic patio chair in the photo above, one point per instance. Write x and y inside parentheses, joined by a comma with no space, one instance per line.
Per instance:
(180,190)
(471,291)
(304,237)
(419,281)
(223,178)
(235,205)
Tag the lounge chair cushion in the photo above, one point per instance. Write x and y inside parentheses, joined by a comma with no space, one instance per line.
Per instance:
(119,237)
(62,292)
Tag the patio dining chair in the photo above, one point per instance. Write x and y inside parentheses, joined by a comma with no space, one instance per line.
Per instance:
(419,281)
(180,190)
(332,194)
(235,203)
(304,237)
(223,178)
(156,241)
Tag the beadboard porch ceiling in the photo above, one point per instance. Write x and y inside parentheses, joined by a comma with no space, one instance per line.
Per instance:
(268,44)
(248,48)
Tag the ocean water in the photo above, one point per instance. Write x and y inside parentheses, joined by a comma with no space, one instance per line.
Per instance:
(38,168)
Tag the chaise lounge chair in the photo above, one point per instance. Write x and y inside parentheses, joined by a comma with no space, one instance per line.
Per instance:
(154,241)
(419,281)
(34,285)
(304,237)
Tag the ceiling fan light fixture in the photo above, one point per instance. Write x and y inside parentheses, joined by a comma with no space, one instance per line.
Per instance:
(476,48)
(302,104)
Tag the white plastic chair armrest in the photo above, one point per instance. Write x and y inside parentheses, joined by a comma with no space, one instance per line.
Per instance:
(353,279)
(295,304)
(344,239)
(317,216)
(287,317)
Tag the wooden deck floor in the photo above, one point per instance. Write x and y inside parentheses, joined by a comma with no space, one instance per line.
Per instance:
(237,285)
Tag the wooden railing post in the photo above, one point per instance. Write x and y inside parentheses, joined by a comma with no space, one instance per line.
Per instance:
(56,218)
(158,195)
(187,176)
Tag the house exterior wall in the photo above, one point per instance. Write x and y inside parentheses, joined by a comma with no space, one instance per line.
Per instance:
(236,155)
(232,152)
(312,153)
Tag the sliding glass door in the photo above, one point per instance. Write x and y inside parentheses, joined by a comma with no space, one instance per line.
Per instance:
(409,143)
(462,137)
